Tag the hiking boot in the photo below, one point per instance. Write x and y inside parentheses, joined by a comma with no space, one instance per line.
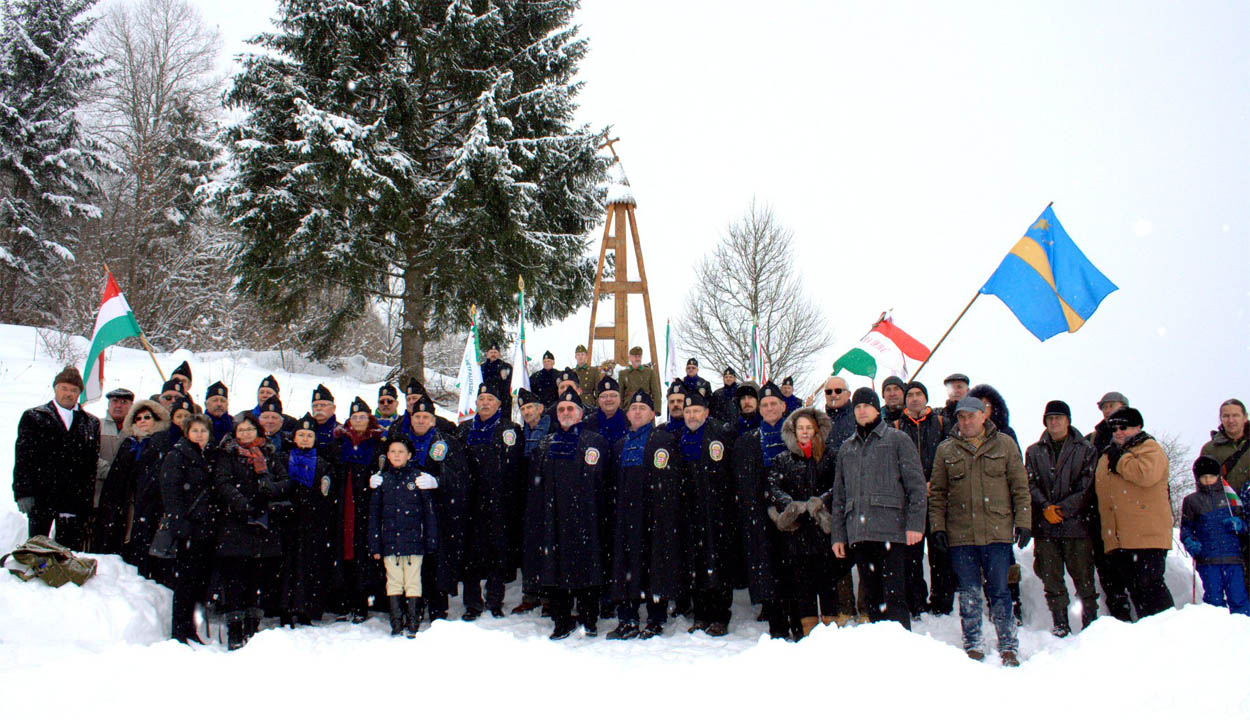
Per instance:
(624,631)
(591,628)
(650,631)
(496,611)
(717,629)
(563,629)
(697,625)
(359,615)
(842,619)
(1009,659)
(397,614)
(975,654)
(471,614)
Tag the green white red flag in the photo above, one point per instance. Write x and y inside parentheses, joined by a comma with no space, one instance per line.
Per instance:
(114,322)
(885,348)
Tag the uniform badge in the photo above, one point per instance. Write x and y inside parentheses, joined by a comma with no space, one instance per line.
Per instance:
(504,372)
(703,391)
(412,486)
(509,437)
(592,456)
(438,451)
(716,450)
(661,459)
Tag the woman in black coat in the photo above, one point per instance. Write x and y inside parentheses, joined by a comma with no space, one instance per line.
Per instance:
(130,499)
(306,542)
(358,451)
(799,482)
(190,501)
(248,480)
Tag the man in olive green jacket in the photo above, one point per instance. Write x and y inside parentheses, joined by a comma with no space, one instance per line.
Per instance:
(1229,444)
(638,376)
(978,504)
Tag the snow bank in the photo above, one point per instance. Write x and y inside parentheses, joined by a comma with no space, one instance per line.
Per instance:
(114,607)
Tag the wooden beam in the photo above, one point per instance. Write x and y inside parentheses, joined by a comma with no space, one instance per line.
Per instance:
(646,296)
(594,299)
(616,286)
(621,346)
(603,332)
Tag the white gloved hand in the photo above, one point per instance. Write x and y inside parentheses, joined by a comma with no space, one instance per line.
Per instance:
(375,481)
(325,486)
(426,481)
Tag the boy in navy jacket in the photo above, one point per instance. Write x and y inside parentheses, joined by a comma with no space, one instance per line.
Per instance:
(402,529)
(1211,530)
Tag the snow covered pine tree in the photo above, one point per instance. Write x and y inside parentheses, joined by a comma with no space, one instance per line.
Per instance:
(416,151)
(45,160)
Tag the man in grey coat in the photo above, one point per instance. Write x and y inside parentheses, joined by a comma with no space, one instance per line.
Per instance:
(878,507)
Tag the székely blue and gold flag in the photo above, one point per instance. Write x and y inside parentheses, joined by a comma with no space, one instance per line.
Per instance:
(1047,281)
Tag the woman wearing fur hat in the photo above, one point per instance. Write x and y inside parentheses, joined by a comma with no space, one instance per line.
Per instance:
(130,500)
(799,483)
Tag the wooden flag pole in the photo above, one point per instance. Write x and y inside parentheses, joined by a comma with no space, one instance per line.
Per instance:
(948,332)
(143,340)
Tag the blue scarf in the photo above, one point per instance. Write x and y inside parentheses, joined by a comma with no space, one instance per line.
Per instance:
(325,431)
(692,443)
(175,433)
(564,442)
(747,423)
(385,422)
(361,454)
(535,434)
(421,445)
(222,426)
(675,426)
(691,383)
(140,443)
(612,428)
(482,432)
(731,391)
(302,466)
(635,446)
(771,441)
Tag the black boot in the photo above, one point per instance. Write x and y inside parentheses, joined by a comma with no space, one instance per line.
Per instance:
(1061,627)
(235,637)
(1017,608)
(397,614)
(414,616)
(251,624)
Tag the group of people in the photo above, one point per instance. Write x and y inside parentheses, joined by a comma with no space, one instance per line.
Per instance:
(605,507)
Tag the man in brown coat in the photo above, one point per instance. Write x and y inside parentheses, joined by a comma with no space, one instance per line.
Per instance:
(1132,485)
(638,376)
(978,504)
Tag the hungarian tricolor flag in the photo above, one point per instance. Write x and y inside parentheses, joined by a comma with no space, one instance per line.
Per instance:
(885,347)
(520,361)
(113,323)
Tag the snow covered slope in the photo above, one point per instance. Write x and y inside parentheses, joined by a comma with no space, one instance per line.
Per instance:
(105,643)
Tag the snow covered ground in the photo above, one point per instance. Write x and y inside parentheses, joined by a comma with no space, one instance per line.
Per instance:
(104,646)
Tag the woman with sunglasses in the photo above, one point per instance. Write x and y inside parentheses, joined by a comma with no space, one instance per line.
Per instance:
(130,499)
(191,502)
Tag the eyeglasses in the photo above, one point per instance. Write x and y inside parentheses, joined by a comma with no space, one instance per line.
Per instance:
(143,416)
(1117,426)
(169,397)
(834,391)
(386,401)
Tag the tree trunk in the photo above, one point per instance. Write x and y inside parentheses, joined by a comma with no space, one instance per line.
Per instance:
(412,326)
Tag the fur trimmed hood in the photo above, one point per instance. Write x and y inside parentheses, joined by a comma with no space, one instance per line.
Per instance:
(823,426)
(158,411)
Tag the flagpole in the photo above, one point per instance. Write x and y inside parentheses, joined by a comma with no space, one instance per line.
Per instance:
(143,340)
(948,332)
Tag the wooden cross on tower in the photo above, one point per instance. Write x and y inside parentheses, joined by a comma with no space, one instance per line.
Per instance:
(620,219)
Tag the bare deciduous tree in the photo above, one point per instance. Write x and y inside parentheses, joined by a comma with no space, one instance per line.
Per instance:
(751,275)
(1180,478)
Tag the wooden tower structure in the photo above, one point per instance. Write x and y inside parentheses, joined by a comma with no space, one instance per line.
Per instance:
(619,230)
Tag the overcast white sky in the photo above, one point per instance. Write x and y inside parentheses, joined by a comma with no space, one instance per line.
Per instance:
(909,145)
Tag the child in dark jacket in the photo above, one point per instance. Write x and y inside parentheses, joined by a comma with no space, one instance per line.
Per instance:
(1211,531)
(402,529)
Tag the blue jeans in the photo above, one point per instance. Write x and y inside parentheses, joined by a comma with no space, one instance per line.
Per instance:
(970,563)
